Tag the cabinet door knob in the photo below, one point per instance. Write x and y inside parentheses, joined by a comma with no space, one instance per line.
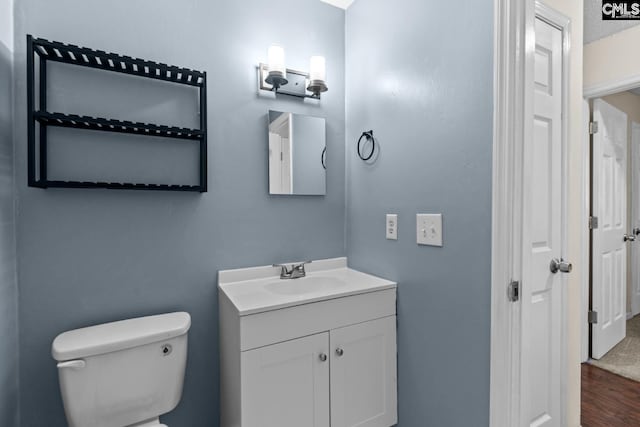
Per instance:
(323,357)
(339,351)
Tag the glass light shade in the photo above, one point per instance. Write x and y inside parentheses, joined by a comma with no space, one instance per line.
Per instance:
(317,69)
(276,60)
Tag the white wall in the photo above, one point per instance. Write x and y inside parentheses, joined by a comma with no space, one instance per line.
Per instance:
(612,59)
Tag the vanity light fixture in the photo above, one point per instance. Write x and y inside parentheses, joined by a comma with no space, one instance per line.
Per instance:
(275,77)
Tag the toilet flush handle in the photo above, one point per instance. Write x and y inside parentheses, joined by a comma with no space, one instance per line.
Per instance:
(73,364)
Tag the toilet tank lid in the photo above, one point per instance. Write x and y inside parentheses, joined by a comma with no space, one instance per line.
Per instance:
(115,336)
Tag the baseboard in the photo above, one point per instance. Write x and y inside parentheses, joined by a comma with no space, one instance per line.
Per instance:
(629,315)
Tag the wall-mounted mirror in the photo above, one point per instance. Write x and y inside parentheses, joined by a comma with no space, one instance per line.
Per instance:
(297,152)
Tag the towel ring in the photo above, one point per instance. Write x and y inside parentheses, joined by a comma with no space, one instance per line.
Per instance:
(369,137)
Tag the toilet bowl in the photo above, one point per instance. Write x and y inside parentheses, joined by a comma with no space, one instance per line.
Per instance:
(123,374)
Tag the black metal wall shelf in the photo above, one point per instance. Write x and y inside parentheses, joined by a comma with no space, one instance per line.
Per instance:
(121,186)
(71,54)
(107,125)
(81,56)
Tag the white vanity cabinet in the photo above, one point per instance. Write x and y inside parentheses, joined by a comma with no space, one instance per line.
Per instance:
(363,374)
(316,360)
(287,384)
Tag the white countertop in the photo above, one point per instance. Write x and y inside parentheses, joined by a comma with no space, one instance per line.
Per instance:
(259,289)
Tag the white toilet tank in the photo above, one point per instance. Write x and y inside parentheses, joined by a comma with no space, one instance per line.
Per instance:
(122,373)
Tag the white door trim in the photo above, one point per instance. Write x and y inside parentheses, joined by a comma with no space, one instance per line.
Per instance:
(585,232)
(612,86)
(505,249)
(513,102)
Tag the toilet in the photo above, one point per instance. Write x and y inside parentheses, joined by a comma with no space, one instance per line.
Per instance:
(123,374)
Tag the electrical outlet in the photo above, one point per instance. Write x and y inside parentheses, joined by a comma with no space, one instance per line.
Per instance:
(392,227)
(429,229)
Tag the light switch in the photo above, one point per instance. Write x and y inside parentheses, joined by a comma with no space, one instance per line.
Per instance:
(429,229)
(392,227)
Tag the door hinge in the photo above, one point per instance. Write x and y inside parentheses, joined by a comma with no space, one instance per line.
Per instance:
(593,128)
(593,317)
(593,222)
(513,291)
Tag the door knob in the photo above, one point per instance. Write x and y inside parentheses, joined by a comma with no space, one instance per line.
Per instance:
(560,265)
(629,238)
(339,351)
(322,357)
(636,231)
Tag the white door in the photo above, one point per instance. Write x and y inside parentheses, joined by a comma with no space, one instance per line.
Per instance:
(287,384)
(280,155)
(609,276)
(275,163)
(363,375)
(287,166)
(542,238)
(635,215)
(280,170)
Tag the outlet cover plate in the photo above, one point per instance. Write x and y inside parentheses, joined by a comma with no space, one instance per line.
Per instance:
(429,229)
(392,227)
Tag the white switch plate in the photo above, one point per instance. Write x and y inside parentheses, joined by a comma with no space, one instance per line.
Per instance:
(429,229)
(392,227)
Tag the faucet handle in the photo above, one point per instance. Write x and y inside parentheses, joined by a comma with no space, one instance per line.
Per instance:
(296,271)
(301,265)
(284,269)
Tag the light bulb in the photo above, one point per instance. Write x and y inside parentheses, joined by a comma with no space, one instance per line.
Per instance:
(317,76)
(276,60)
(317,69)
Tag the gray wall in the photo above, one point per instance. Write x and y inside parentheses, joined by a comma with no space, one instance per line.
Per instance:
(93,256)
(423,82)
(8,283)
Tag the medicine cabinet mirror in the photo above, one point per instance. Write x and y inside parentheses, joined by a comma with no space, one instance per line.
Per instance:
(297,154)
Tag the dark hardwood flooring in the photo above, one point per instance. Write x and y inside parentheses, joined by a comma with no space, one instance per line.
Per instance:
(609,400)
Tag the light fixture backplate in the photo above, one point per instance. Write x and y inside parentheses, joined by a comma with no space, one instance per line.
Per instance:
(297,86)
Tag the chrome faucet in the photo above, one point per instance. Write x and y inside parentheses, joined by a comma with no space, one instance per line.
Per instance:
(295,272)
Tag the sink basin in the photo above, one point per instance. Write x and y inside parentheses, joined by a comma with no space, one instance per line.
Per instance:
(256,290)
(305,285)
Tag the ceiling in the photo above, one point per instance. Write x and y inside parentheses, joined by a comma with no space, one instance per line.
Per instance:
(342,4)
(595,28)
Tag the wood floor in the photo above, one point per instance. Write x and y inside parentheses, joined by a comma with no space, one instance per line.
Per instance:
(609,400)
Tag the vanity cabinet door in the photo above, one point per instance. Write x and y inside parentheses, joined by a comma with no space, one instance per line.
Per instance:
(287,384)
(364,374)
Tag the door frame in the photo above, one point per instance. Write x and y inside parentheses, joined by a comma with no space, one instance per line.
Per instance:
(513,102)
